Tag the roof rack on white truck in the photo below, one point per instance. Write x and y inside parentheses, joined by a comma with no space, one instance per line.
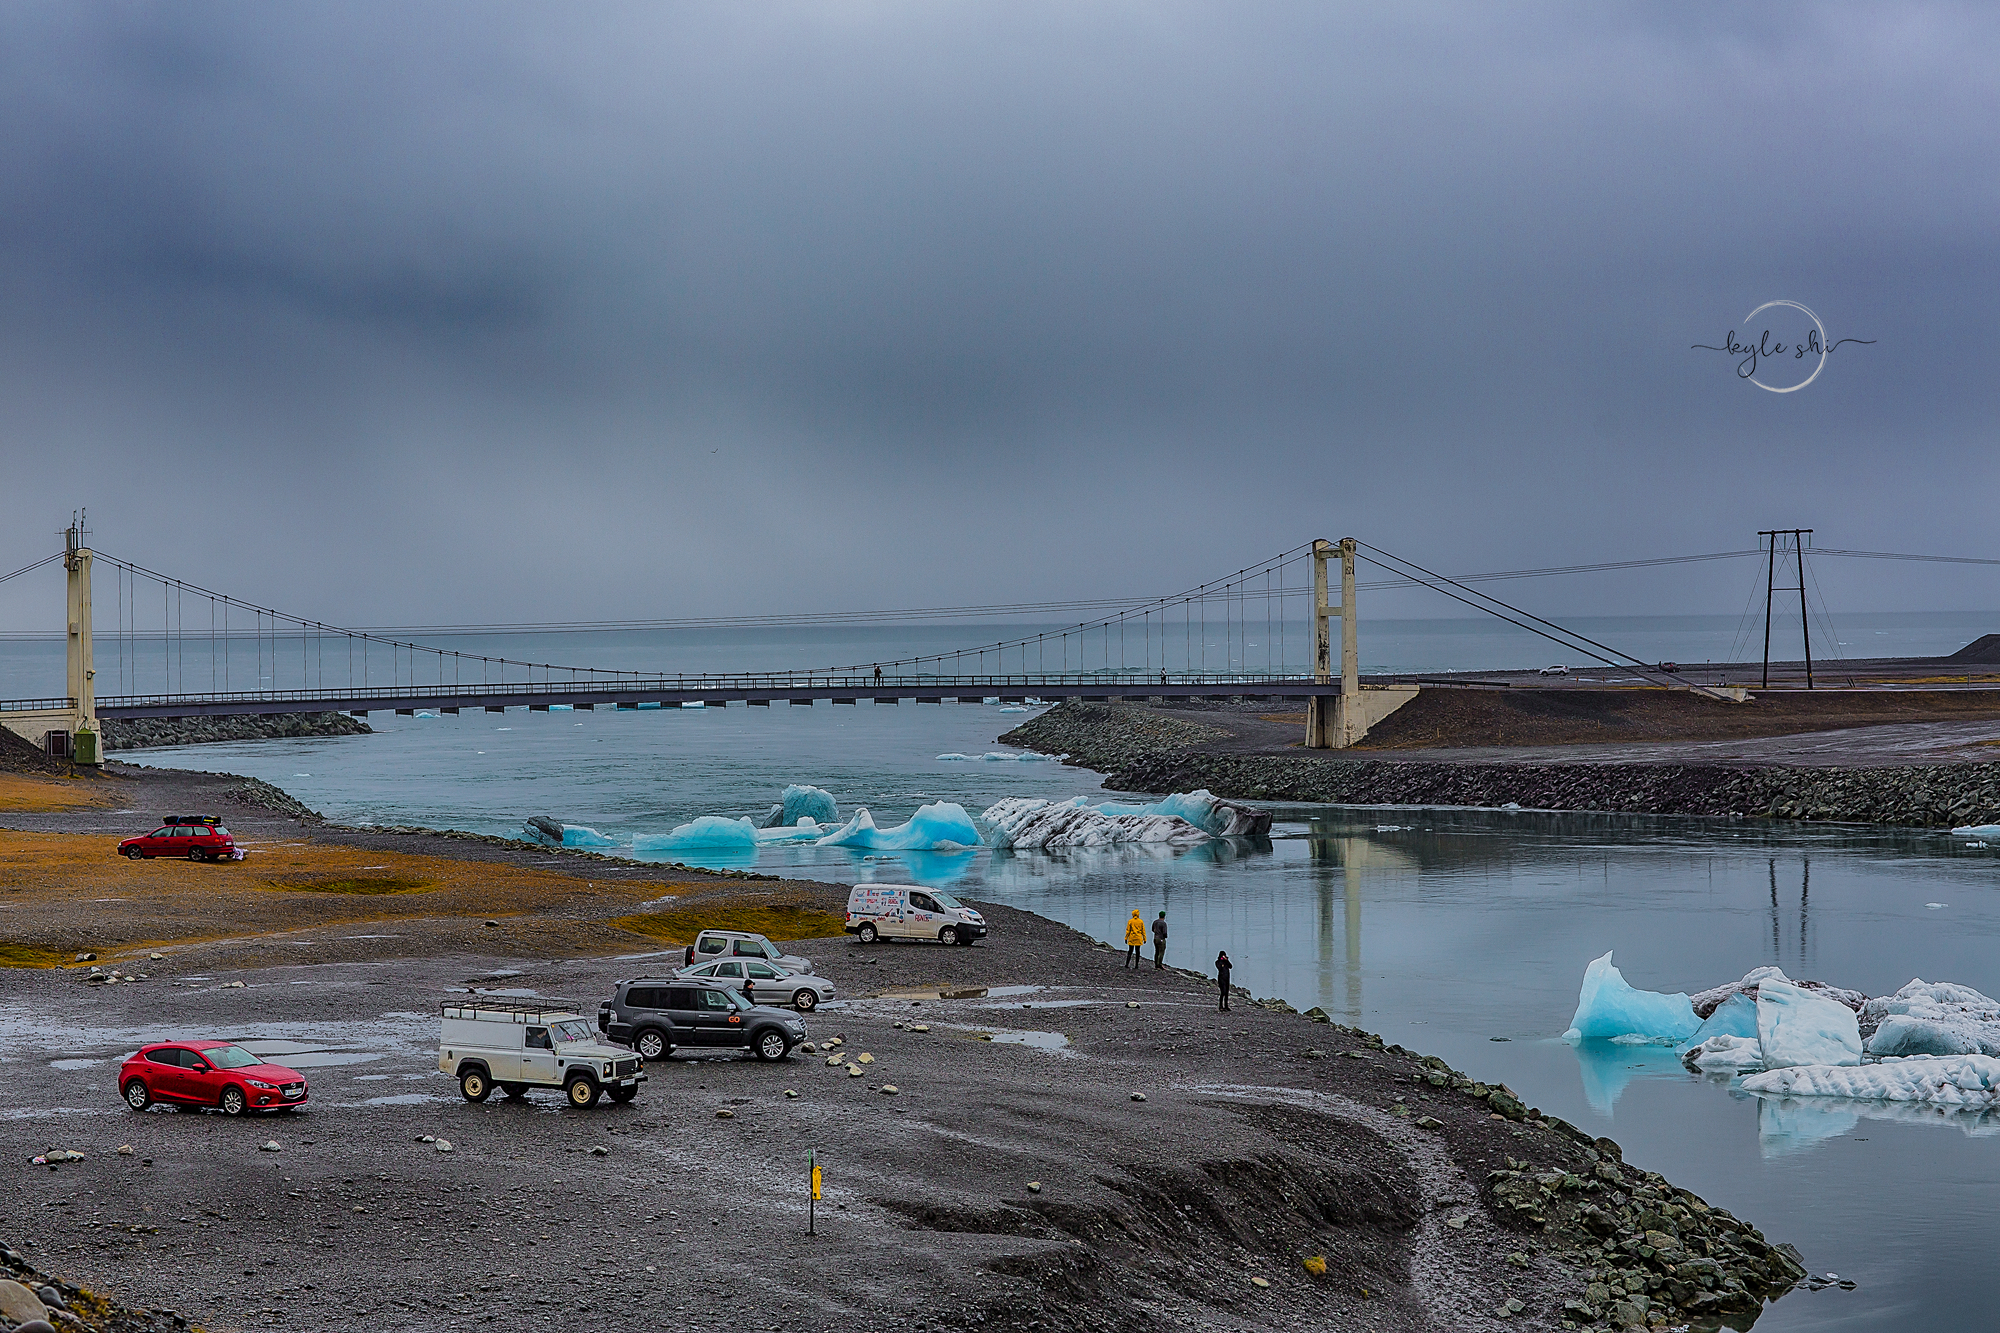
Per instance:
(532,1042)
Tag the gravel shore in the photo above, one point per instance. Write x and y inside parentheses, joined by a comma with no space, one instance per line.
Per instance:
(1039,1139)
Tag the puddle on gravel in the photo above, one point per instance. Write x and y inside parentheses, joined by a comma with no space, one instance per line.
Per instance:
(73,1064)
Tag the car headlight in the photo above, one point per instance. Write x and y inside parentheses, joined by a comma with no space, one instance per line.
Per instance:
(259,1083)
(607,1069)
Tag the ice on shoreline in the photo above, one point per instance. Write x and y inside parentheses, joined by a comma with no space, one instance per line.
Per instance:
(552,834)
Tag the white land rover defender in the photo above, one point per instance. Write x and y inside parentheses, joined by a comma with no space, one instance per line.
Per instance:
(532,1043)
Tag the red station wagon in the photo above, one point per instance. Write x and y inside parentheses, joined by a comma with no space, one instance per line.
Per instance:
(208,1073)
(197,837)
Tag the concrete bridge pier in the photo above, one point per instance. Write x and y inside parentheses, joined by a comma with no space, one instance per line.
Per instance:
(76,718)
(1337,723)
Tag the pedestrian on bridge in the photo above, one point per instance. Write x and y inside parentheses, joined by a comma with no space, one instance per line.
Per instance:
(1135,937)
(1222,969)
(1160,939)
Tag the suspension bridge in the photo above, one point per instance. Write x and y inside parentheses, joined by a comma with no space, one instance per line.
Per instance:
(181,650)
(176,649)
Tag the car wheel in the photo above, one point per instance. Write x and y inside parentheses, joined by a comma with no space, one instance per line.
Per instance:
(652,1045)
(770,1045)
(514,1091)
(582,1092)
(234,1102)
(948,935)
(133,853)
(805,1001)
(866,934)
(194,854)
(473,1085)
(137,1095)
(622,1095)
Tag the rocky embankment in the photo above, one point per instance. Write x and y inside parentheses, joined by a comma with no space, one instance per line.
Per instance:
(1141,752)
(33,1302)
(154,732)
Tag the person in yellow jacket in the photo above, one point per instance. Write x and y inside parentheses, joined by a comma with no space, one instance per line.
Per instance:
(1135,938)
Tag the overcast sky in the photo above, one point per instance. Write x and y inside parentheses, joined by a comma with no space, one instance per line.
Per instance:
(394,313)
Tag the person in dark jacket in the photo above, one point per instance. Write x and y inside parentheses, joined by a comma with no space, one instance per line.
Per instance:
(1222,968)
(1160,939)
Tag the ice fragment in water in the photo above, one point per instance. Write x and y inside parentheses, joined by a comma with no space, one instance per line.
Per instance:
(1977,831)
(1030,822)
(805,830)
(707,831)
(1204,810)
(542,829)
(938,827)
(1798,1027)
(1736,1016)
(1971,1081)
(1933,1018)
(954,756)
(1726,1054)
(1608,1008)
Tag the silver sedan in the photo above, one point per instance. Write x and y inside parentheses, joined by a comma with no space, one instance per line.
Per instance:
(765,983)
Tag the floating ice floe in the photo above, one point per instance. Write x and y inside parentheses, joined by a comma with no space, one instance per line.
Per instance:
(1025,821)
(1797,1027)
(1976,831)
(1608,1008)
(805,830)
(941,826)
(542,829)
(1933,1018)
(801,802)
(1726,1054)
(1204,810)
(999,757)
(707,831)
(1943,1080)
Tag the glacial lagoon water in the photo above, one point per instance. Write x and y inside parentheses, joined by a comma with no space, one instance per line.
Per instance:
(1459,933)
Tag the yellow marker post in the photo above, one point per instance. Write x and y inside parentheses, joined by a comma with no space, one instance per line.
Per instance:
(812,1203)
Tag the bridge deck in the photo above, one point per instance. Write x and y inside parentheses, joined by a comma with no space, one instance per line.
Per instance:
(669,693)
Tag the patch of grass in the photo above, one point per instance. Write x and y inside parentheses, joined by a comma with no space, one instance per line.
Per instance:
(362,884)
(27,955)
(780,921)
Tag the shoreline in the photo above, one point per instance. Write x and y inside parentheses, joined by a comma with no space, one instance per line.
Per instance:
(1156,750)
(1437,1201)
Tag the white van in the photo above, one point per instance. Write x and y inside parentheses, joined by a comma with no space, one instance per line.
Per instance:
(904,911)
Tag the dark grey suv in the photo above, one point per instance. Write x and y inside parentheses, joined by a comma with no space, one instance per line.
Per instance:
(656,1016)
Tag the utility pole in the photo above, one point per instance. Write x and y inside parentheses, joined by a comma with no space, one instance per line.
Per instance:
(1798,536)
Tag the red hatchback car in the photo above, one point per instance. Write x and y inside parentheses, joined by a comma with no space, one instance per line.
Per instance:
(208,1073)
(197,837)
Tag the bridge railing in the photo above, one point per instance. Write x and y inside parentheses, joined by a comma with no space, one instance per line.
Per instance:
(1113,682)
(35,705)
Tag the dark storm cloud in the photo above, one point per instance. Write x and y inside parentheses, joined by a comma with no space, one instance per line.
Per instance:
(658,309)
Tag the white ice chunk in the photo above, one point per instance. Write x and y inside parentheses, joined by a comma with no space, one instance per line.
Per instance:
(939,826)
(954,755)
(1799,1027)
(805,830)
(1607,1008)
(707,831)
(1726,1054)
(1025,821)
(577,835)
(1977,831)
(1933,1018)
(1204,810)
(1943,1080)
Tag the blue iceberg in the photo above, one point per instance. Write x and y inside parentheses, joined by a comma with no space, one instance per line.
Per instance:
(1609,1009)
(707,831)
(809,803)
(942,826)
